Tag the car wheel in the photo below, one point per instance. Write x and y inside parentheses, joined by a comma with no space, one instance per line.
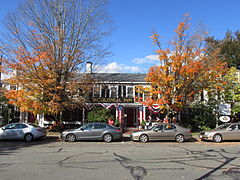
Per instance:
(179,138)
(143,138)
(217,138)
(28,137)
(70,138)
(107,138)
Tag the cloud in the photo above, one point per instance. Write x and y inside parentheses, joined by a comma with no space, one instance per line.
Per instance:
(116,67)
(147,59)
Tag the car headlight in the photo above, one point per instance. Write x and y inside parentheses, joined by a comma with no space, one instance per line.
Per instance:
(206,133)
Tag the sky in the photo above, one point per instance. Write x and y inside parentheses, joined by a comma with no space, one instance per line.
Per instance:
(134,22)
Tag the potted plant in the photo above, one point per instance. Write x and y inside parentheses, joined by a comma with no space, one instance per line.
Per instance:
(143,124)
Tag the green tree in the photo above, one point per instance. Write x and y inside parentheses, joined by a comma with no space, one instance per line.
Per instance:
(229,47)
(231,92)
(202,117)
(99,114)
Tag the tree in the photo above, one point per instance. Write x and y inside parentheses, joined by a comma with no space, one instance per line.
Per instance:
(185,70)
(99,114)
(46,46)
(229,48)
(231,90)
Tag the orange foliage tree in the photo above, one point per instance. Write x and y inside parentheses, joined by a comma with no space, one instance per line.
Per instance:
(38,84)
(185,70)
(46,47)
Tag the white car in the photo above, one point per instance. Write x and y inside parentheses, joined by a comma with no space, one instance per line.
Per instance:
(24,131)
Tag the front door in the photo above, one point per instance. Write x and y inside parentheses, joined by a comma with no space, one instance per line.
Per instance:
(130,113)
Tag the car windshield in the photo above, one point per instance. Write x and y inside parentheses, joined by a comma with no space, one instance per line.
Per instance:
(223,126)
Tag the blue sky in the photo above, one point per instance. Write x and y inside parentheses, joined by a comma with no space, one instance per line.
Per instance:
(135,20)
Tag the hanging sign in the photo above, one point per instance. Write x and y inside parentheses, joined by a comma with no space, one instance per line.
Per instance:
(224,118)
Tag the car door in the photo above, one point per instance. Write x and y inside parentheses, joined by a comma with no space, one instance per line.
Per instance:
(169,131)
(231,133)
(85,132)
(9,132)
(98,130)
(156,133)
(19,131)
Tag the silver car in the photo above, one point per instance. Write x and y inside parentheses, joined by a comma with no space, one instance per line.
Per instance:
(162,132)
(227,131)
(25,131)
(93,131)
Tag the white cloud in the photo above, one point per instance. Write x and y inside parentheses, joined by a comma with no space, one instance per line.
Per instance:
(116,67)
(146,59)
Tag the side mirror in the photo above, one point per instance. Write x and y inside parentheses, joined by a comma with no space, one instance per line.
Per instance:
(3,128)
(155,130)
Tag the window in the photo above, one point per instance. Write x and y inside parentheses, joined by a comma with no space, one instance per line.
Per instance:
(10,126)
(138,93)
(146,95)
(119,91)
(87,127)
(20,126)
(96,91)
(234,127)
(159,128)
(113,92)
(99,126)
(130,92)
(124,91)
(105,92)
(169,127)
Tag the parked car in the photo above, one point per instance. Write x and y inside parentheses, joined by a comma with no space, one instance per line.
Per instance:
(227,131)
(93,131)
(162,132)
(25,131)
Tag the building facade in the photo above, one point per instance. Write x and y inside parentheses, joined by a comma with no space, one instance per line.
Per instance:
(117,92)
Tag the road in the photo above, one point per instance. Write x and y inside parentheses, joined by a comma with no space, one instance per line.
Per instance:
(51,159)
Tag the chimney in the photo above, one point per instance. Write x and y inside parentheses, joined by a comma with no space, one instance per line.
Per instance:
(89,67)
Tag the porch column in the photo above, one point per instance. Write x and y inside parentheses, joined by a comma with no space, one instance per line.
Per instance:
(140,115)
(144,113)
(83,116)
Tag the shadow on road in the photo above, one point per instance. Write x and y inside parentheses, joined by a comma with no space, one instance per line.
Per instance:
(9,146)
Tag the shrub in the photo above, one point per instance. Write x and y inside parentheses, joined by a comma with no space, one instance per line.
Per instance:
(99,114)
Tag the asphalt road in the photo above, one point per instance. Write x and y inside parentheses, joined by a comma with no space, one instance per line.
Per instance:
(51,159)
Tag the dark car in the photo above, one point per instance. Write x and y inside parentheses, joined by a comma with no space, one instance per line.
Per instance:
(25,131)
(227,131)
(162,132)
(93,131)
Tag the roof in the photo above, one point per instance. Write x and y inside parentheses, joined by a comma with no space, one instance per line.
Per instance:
(117,77)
